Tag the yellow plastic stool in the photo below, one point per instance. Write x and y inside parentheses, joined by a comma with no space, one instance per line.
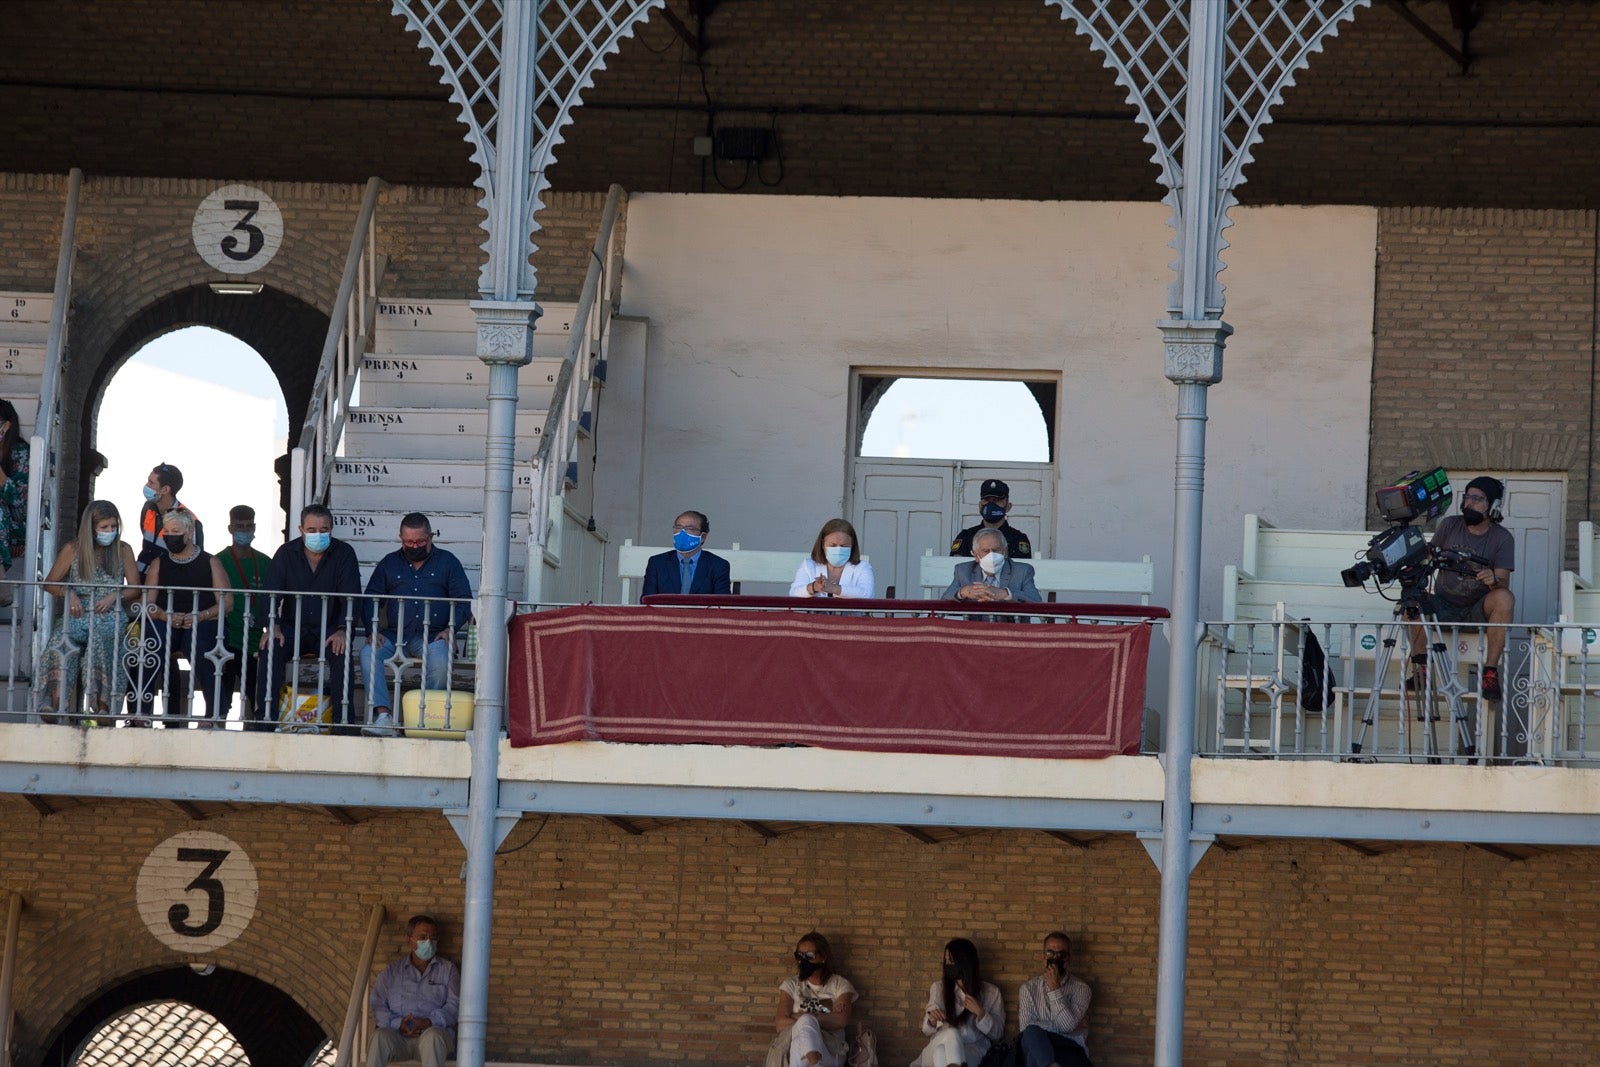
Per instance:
(430,723)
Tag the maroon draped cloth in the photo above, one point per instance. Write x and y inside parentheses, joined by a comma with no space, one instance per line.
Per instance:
(730,677)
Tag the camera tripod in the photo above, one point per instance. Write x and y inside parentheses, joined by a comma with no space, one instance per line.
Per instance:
(1415,608)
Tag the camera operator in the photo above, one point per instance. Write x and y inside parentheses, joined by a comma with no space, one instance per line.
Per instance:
(1484,596)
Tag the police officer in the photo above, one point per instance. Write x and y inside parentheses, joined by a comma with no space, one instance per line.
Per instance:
(994,501)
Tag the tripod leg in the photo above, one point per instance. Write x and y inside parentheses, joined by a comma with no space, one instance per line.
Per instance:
(1441,659)
(1387,636)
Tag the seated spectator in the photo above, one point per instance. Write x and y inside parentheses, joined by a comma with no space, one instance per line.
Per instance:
(835,567)
(83,651)
(415,1002)
(419,629)
(181,616)
(990,575)
(965,1014)
(814,1008)
(689,568)
(13,495)
(310,582)
(1051,1011)
(246,569)
(160,497)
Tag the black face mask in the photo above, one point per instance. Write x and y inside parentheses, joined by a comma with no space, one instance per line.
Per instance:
(951,972)
(992,512)
(174,542)
(415,554)
(1472,515)
(808,968)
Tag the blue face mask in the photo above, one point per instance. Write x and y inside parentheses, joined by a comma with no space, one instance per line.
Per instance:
(837,555)
(992,512)
(150,494)
(107,539)
(425,950)
(242,539)
(684,541)
(318,542)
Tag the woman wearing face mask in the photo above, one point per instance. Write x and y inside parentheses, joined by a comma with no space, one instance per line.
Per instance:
(835,567)
(93,577)
(13,493)
(814,1007)
(181,612)
(965,1014)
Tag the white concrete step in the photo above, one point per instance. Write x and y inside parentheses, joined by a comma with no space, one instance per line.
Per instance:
(432,433)
(22,359)
(374,534)
(448,381)
(407,484)
(448,328)
(18,306)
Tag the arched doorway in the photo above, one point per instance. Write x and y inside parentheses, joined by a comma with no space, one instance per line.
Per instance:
(269,1028)
(207,403)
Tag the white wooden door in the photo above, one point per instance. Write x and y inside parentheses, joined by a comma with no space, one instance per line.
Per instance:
(903,507)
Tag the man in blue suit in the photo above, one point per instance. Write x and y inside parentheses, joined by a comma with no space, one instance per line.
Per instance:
(991,575)
(688,568)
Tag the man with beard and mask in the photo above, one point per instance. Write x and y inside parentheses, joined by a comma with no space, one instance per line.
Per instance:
(1484,597)
(990,575)
(415,1002)
(420,628)
(688,568)
(994,503)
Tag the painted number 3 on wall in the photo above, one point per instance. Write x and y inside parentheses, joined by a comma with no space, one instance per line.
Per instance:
(238,229)
(197,891)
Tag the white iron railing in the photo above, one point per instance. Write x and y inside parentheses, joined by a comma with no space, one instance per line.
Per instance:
(44,447)
(591,324)
(350,327)
(1264,694)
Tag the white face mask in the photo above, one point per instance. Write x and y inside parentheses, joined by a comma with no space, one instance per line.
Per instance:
(838,555)
(991,562)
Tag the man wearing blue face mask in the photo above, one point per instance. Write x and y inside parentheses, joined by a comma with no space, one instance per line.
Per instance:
(689,568)
(994,503)
(246,569)
(161,496)
(317,564)
(415,1002)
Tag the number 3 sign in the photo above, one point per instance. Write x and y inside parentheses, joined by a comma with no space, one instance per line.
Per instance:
(237,229)
(197,891)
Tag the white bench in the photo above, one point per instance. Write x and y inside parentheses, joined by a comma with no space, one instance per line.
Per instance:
(1567,660)
(744,564)
(1052,576)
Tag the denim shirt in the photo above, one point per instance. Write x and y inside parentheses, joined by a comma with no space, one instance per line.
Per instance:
(434,994)
(441,575)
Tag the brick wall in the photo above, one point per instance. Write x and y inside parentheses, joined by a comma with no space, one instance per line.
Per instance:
(1484,345)
(667,947)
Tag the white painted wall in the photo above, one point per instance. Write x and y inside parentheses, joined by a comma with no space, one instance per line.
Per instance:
(759,307)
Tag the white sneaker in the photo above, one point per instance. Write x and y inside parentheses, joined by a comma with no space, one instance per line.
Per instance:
(382,726)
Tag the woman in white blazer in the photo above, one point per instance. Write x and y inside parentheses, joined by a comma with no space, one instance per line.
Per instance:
(835,567)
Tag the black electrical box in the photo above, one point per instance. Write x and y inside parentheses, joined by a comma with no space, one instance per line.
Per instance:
(749,143)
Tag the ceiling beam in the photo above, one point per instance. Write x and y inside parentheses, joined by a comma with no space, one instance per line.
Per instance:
(339,815)
(624,825)
(189,808)
(1463,16)
(39,804)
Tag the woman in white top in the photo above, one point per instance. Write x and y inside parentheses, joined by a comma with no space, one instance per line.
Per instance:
(835,567)
(964,1014)
(814,1007)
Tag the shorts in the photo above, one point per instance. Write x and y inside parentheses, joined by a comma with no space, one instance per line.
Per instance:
(1447,612)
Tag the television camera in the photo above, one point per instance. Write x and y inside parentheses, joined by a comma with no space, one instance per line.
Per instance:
(1401,553)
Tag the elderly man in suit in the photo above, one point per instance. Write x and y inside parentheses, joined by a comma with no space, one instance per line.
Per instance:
(688,568)
(991,575)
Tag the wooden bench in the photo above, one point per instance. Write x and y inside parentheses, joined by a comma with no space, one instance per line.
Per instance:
(1285,575)
(1099,578)
(1567,661)
(744,565)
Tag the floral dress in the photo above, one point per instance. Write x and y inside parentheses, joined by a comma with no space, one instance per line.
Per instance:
(14,506)
(84,651)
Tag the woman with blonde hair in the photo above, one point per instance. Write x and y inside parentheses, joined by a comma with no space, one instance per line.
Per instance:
(835,567)
(94,576)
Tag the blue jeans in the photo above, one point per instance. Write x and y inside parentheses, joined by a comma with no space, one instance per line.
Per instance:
(1041,1047)
(436,667)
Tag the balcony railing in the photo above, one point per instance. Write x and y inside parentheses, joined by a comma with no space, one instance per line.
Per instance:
(1353,691)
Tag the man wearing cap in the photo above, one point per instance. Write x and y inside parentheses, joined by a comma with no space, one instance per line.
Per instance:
(1484,596)
(994,501)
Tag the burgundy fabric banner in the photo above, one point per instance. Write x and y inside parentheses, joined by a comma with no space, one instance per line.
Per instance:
(954,686)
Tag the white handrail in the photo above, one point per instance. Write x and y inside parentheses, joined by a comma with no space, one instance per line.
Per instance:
(349,328)
(590,325)
(44,446)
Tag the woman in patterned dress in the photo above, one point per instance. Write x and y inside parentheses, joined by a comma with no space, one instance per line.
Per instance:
(13,494)
(94,576)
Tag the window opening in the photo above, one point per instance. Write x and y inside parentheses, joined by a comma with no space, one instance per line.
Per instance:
(978,419)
